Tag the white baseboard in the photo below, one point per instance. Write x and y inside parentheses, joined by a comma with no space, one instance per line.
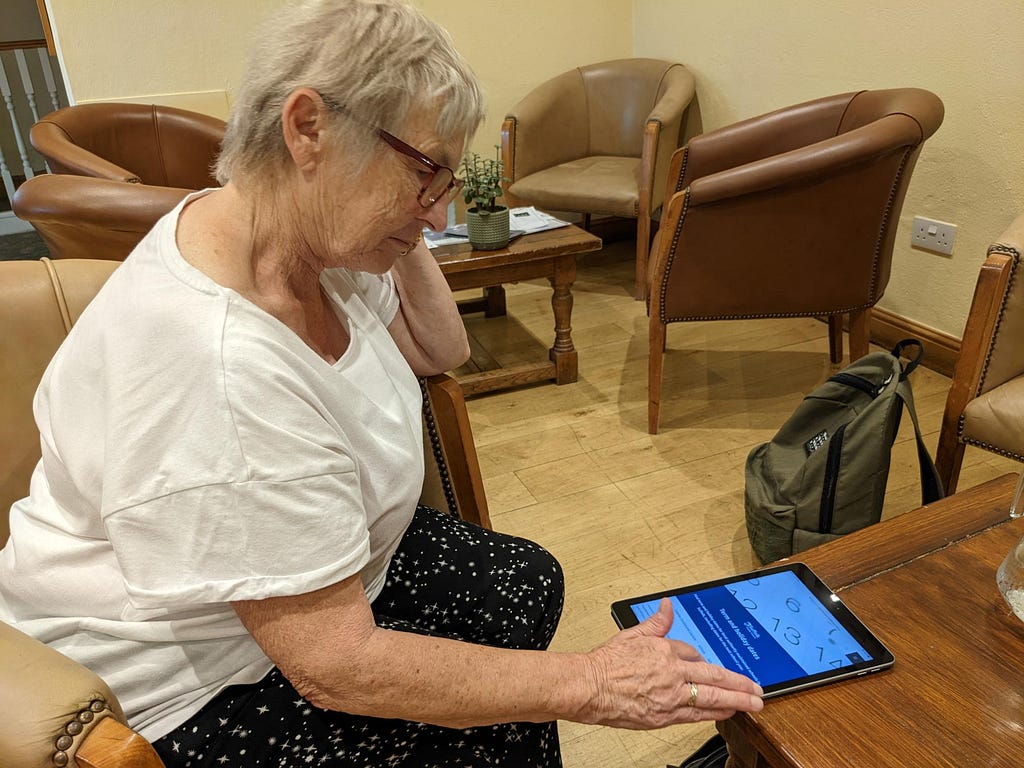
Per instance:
(12,225)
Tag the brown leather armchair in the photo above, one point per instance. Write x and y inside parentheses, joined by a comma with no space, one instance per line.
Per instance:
(599,140)
(985,406)
(56,711)
(80,217)
(135,143)
(116,169)
(790,214)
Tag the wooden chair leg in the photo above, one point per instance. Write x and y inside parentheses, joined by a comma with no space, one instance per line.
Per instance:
(860,333)
(643,247)
(655,360)
(949,456)
(835,338)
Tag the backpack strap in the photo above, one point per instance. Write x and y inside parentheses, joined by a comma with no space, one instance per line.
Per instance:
(931,485)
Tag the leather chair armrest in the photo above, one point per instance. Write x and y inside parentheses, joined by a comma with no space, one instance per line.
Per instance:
(817,160)
(550,126)
(678,90)
(59,198)
(50,140)
(49,694)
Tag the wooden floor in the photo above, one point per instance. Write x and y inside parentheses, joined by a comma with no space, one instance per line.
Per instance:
(573,468)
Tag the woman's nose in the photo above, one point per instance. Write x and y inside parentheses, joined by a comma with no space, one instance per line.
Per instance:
(436,216)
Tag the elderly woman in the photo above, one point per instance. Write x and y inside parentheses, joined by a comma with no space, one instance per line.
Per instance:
(231,446)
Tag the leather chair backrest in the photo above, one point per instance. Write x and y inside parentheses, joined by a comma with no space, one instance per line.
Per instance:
(137,143)
(39,302)
(619,95)
(846,158)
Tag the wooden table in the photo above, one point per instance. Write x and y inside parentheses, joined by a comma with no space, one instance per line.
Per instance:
(551,254)
(925,583)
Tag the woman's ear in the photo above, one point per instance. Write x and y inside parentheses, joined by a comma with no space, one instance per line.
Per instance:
(303,125)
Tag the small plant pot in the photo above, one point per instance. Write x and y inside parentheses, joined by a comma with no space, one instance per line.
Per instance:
(487,230)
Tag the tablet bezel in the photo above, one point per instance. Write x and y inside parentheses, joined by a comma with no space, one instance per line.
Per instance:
(881,657)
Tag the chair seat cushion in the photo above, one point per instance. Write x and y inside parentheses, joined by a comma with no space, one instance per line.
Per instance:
(994,419)
(599,184)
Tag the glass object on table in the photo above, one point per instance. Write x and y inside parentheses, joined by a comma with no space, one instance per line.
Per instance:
(1010,579)
(1016,508)
(1010,575)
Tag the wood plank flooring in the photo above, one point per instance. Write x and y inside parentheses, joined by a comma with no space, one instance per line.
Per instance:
(573,468)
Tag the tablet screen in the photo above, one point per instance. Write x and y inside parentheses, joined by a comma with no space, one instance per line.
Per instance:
(781,627)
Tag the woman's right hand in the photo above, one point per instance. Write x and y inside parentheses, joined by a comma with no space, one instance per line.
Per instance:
(642,680)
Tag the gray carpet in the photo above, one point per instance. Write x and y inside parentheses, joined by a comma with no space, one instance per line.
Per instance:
(24,245)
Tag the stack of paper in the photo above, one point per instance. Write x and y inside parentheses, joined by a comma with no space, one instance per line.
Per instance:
(522,221)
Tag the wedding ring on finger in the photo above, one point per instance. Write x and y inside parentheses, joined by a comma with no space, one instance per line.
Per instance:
(693,695)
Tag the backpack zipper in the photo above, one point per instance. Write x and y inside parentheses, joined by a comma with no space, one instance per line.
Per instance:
(859,382)
(835,448)
(831,485)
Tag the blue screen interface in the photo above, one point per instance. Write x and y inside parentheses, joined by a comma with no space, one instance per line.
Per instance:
(770,628)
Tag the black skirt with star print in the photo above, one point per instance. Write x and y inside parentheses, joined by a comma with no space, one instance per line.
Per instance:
(448,578)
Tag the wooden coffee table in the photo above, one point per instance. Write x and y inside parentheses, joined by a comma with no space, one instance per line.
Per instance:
(925,583)
(551,254)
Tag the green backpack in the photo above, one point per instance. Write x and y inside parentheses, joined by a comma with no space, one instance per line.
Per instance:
(824,473)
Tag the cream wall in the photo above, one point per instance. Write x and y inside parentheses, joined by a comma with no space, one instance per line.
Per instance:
(751,57)
(529,42)
(187,52)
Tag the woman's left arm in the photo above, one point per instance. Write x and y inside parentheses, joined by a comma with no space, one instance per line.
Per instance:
(427,329)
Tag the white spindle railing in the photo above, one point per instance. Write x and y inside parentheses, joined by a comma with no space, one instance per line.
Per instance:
(21,81)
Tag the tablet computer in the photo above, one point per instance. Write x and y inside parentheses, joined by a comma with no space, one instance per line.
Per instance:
(780,626)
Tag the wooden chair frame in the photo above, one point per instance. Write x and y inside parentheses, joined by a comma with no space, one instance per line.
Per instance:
(987,306)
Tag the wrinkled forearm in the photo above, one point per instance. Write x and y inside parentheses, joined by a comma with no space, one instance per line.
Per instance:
(451,683)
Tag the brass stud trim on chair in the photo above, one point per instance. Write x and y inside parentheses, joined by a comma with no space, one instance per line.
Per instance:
(435,446)
(992,448)
(886,215)
(73,728)
(1015,255)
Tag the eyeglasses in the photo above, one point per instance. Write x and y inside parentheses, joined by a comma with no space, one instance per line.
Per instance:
(441,185)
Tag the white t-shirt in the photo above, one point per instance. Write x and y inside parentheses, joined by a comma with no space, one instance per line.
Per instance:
(197,452)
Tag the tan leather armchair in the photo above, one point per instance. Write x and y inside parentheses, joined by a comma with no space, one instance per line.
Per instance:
(985,406)
(116,169)
(790,214)
(599,140)
(56,711)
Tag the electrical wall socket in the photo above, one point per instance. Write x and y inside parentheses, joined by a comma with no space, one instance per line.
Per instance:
(933,235)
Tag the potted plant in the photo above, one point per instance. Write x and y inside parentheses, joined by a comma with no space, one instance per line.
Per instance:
(486,220)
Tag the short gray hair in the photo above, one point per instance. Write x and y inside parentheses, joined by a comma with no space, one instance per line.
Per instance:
(379,59)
